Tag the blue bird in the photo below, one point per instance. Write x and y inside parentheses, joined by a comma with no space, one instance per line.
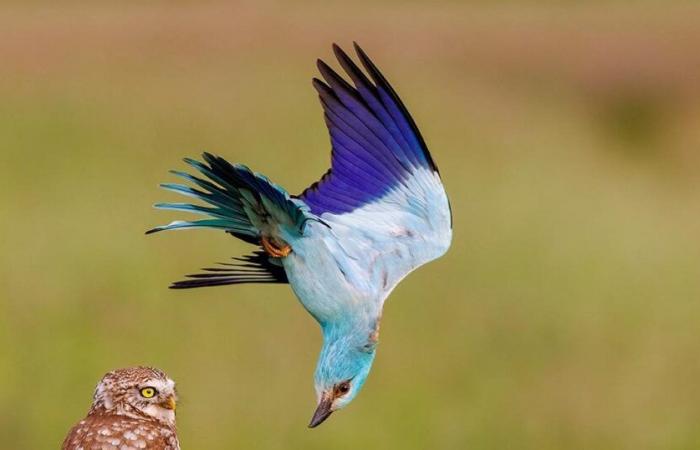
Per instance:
(344,243)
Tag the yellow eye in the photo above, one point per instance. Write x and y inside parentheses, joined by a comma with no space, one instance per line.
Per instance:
(148,392)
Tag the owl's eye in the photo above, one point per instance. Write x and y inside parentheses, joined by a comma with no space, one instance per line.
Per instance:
(148,392)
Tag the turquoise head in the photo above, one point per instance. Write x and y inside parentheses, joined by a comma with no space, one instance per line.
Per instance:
(342,370)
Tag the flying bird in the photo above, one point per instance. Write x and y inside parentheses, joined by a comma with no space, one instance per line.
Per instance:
(131,409)
(345,242)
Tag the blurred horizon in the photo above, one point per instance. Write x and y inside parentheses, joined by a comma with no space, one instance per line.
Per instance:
(564,315)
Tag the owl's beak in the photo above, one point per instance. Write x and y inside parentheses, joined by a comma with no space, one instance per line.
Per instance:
(169,403)
(322,411)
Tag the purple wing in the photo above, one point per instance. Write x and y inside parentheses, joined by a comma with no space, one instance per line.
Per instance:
(376,146)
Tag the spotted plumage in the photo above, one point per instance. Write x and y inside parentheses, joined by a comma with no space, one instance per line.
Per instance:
(132,409)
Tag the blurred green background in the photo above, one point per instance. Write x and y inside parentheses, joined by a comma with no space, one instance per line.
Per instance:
(565,316)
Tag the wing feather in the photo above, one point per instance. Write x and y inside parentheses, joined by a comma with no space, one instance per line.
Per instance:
(383,196)
(376,146)
(257,267)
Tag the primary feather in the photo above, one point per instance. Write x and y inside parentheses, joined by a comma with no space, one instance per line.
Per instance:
(344,243)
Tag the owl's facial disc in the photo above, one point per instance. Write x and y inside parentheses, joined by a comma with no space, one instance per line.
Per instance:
(158,398)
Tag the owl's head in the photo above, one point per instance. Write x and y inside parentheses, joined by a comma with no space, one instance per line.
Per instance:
(135,392)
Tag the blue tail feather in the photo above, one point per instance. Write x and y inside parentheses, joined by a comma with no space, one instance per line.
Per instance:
(183,224)
(196,209)
(213,198)
(236,199)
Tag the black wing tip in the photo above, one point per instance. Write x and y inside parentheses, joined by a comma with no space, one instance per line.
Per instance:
(322,66)
(179,285)
(361,53)
(322,88)
(326,71)
(381,80)
(339,52)
(337,82)
(256,268)
(338,48)
(341,56)
(200,283)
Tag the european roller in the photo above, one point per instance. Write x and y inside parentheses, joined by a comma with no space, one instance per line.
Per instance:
(345,242)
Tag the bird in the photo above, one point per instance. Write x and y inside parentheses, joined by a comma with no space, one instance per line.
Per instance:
(347,240)
(132,409)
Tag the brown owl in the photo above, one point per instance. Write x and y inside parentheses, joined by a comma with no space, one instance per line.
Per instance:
(132,409)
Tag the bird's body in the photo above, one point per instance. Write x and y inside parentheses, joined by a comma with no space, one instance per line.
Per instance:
(346,241)
(350,264)
(132,409)
(103,431)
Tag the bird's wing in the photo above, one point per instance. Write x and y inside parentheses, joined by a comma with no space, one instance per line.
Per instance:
(246,205)
(383,195)
(257,267)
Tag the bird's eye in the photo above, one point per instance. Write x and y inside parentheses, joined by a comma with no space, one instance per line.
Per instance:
(343,388)
(148,392)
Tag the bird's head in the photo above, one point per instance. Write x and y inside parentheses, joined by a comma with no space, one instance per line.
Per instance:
(342,369)
(137,391)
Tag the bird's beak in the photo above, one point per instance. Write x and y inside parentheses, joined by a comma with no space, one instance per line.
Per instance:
(322,411)
(169,403)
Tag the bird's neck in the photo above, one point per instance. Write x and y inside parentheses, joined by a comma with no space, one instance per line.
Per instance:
(361,331)
(348,350)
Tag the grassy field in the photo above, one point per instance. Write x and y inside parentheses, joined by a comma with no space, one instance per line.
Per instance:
(565,316)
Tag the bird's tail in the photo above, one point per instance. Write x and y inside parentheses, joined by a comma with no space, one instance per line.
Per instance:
(243,203)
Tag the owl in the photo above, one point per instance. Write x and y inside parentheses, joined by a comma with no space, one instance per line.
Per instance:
(131,409)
